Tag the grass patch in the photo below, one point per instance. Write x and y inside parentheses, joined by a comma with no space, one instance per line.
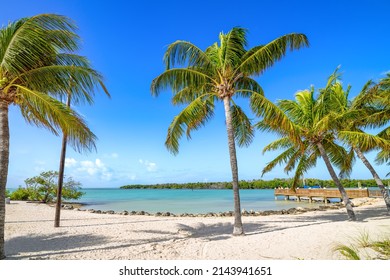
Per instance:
(365,248)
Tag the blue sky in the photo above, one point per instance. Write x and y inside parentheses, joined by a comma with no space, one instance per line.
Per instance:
(126,41)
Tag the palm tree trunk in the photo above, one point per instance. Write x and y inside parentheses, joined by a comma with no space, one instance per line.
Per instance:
(61,175)
(238,229)
(378,181)
(346,200)
(4,159)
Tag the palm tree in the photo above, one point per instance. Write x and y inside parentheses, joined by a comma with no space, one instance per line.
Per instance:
(306,129)
(219,73)
(36,62)
(84,97)
(365,110)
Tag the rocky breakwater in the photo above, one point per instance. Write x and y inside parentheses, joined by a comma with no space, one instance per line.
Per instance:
(290,211)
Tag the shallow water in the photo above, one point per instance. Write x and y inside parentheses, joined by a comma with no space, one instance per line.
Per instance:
(183,200)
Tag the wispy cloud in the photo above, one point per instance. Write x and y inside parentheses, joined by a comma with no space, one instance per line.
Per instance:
(150,166)
(40,166)
(111,156)
(70,162)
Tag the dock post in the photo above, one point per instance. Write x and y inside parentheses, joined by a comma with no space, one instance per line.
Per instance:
(310,199)
(298,198)
(325,200)
(286,197)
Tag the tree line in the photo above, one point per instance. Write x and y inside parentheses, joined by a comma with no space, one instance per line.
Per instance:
(260,184)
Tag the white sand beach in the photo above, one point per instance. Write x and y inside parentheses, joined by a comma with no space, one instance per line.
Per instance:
(30,234)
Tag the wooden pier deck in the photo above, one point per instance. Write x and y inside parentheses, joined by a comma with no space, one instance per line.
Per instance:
(322,194)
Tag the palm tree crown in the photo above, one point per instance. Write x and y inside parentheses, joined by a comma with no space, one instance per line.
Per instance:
(221,71)
(37,64)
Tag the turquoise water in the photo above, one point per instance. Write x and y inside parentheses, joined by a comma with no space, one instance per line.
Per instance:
(183,200)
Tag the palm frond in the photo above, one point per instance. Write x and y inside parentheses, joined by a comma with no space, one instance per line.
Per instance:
(365,142)
(339,156)
(281,143)
(274,118)
(305,163)
(44,111)
(243,130)
(29,41)
(245,86)
(282,158)
(232,47)
(266,56)
(366,95)
(178,79)
(183,52)
(196,114)
(382,157)
(60,80)
(385,133)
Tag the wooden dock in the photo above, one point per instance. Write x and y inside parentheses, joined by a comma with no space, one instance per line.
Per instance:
(320,194)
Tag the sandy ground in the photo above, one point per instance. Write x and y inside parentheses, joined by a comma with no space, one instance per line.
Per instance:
(30,234)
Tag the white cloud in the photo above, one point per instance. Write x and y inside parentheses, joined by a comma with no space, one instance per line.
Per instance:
(91,168)
(150,166)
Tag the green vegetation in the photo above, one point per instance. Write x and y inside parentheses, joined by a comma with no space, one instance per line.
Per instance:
(44,187)
(364,248)
(258,184)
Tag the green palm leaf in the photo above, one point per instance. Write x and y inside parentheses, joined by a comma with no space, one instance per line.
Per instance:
(182,52)
(243,130)
(42,110)
(281,159)
(364,141)
(196,114)
(267,55)
(178,79)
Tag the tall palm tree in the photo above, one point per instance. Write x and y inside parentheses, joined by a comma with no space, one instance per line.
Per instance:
(224,70)
(365,110)
(306,129)
(80,98)
(36,62)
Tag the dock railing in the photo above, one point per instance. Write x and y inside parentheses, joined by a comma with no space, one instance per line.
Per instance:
(323,194)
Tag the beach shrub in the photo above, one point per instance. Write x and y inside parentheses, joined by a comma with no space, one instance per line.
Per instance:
(44,188)
(364,248)
(20,194)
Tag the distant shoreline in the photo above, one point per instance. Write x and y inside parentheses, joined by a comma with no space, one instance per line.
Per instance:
(259,184)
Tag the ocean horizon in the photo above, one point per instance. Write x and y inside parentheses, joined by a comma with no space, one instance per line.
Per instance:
(179,201)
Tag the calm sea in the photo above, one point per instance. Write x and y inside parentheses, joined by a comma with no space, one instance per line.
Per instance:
(183,200)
